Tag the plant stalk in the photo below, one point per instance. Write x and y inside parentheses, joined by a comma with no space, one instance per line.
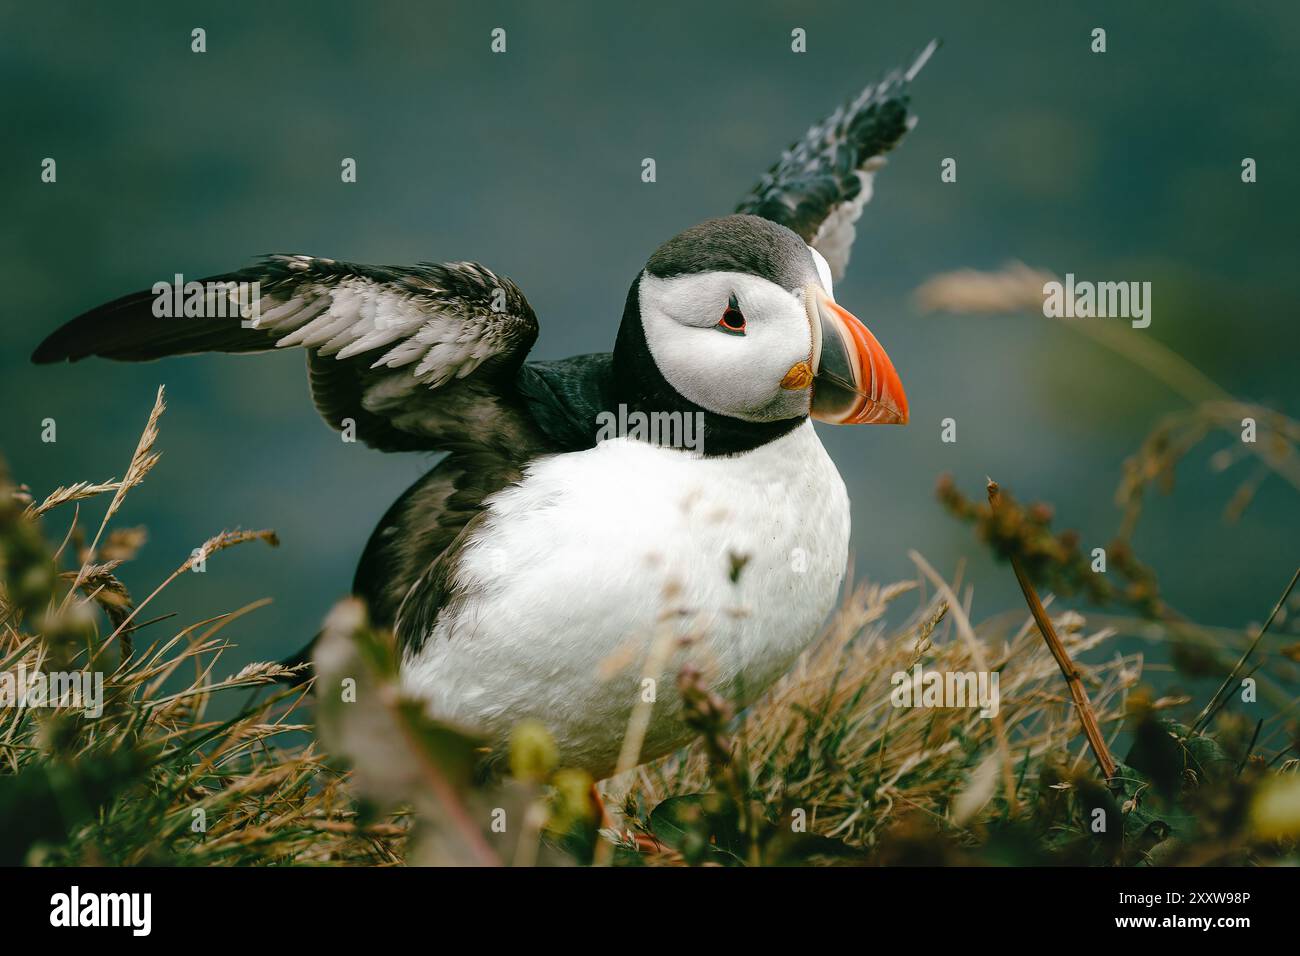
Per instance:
(1087,716)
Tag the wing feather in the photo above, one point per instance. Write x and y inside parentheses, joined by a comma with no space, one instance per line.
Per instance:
(420,357)
(821,183)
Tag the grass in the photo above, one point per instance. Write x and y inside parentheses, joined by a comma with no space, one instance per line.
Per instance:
(152,780)
(823,769)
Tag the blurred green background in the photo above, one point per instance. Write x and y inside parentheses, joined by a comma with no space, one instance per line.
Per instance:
(1122,166)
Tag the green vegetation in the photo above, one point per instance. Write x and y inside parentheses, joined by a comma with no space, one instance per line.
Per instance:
(824,769)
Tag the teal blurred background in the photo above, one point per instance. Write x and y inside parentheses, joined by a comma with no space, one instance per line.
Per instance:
(1121,166)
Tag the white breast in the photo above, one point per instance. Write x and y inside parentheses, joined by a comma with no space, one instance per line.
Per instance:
(597,557)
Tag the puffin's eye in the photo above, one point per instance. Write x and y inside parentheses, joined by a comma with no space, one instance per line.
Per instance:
(733,320)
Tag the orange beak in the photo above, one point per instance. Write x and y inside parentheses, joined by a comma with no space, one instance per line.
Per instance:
(855,382)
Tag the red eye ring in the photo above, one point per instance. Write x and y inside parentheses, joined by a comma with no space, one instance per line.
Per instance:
(733,320)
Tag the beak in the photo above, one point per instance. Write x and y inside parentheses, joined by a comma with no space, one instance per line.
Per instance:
(854,382)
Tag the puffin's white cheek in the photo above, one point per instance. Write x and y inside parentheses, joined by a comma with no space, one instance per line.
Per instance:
(734,375)
(741,387)
(769,366)
(707,367)
(738,376)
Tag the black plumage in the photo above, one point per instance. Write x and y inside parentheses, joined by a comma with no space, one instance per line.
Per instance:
(432,357)
(816,188)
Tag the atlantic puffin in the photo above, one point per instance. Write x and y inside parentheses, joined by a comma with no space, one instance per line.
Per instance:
(530,573)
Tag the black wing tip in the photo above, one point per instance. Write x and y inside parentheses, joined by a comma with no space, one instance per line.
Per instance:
(78,338)
(55,348)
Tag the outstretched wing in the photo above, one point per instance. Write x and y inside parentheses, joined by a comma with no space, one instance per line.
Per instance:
(415,358)
(821,183)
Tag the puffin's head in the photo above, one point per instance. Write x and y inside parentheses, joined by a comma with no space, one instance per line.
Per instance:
(737,317)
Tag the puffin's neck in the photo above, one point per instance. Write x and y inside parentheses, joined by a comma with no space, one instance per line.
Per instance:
(641,387)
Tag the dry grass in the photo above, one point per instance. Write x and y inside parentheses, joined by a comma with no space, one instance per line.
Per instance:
(827,739)
(154,779)
(823,769)
(827,756)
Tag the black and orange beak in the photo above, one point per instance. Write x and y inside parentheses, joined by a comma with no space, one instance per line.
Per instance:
(854,382)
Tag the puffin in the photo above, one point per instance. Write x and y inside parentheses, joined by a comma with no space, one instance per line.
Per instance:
(561,562)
